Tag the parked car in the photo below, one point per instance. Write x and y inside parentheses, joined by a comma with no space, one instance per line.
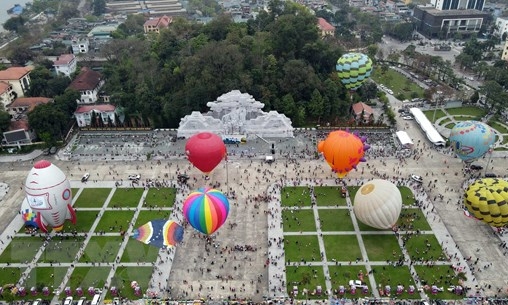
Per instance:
(407,118)
(85,177)
(53,150)
(490,175)
(476,167)
(68,301)
(134,177)
(416,178)
(357,284)
(402,110)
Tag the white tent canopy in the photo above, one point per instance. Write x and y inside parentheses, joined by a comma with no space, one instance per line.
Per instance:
(404,139)
(431,132)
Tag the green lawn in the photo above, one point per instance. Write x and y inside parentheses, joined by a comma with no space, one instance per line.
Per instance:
(301,248)
(438,114)
(335,220)
(292,196)
(342,248)
(352,191)
(126,197)
(399,83)
(115,221)
(61,250)
(10,275)
(341,275)
(382,247)
(21,249)
(163,197)
(305,277)
(329,196)
(393,276)
(412,219)
(125,275)
(48,276)
(441,276)
(407,195)
(424,247)
(74,191)
(298,220)
(445,121)
(92,198)
(450,125)
(468,110)
(84,221)
(85,277)
(101,249)
(136,251)
(146,216)
(496,125)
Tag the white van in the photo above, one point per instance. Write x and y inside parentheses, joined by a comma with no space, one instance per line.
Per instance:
(37,302)
(81,301)
(96,299)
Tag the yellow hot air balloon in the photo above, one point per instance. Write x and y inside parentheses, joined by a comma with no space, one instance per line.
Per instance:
(487,200)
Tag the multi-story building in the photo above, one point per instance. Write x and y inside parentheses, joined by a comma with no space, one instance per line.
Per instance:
(504,56)
(88,83)
(6,94)
(65,64)
(325,28)
(80,45)
(18,78)
(501,26)
(154,25)
(434,23)
(458,4)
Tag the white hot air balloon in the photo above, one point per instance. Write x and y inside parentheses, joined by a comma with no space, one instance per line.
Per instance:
(378,203)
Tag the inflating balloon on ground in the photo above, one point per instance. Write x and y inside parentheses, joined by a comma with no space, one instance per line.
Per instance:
(343,151)
(205,150)
(487,200)
(471,140)
(378,204)
(160,233)
(206,209)
(354,69)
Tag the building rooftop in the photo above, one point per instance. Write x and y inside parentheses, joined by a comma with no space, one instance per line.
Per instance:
(29,102)
(4,87)
(359,107)
(435,12)
(64,59)
(101,108)
(324,25)
(14,73)
(86,80)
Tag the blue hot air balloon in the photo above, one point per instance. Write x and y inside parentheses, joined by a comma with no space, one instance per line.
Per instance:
(471,140)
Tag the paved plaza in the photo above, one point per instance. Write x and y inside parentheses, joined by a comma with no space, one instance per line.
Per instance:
(213,269)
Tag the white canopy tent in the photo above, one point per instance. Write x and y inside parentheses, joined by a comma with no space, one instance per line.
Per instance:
(404,139)
(431,132)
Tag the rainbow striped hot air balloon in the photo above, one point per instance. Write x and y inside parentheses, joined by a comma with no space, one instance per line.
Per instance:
(206,209)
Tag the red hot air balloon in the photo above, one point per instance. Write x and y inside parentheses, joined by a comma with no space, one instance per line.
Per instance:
(205,150)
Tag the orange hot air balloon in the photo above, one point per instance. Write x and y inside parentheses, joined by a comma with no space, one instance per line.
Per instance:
(343,151)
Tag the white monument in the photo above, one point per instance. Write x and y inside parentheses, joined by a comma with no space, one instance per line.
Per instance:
(237,115)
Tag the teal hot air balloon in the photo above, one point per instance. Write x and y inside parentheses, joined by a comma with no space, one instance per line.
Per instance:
(471,140)
(353,69)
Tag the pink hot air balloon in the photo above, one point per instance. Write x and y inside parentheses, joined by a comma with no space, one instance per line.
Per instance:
(48,193)
(205,150)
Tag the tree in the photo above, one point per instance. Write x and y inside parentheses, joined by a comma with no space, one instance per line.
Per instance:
(14,24)
(99,7)
(5,120)
(48,118)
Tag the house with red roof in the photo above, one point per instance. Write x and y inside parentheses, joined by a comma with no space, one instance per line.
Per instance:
(19,131)
(362,113)
(88,83)
(154,25)
(65,64)
(84,115)
(325,28)
(6,94)
(18,78)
